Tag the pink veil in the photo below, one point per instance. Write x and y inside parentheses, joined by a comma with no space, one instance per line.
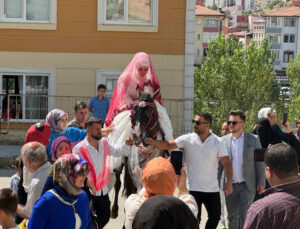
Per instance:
(125,89)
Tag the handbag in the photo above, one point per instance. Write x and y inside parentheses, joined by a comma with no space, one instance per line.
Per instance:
(23,224)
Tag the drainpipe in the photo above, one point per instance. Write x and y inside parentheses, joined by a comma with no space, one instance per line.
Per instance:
(222,19)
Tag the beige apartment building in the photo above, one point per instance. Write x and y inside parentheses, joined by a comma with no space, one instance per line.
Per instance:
(52,50)
(207,27)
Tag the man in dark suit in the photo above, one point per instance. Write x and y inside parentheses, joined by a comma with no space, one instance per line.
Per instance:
(248,175)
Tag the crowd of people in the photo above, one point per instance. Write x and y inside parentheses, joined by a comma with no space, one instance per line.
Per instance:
(244,180)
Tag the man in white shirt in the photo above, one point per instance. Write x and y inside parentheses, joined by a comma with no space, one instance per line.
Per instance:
(202,152)
(97,151)
(248,175)
(35,172)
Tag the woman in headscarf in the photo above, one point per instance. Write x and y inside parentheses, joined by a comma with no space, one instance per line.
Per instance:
(267,137)
(65,206)
(158,178)
(58,120)
(139,72)
(59,147)
(265,132)
(164,212)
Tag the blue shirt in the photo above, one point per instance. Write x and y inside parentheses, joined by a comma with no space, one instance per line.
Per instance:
(99,107)
(14,182)
(50,212)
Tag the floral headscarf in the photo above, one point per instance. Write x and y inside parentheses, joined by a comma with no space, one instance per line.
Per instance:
(65,170)
(53,118)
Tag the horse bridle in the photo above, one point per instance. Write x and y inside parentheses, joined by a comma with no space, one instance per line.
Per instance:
(155,128)
(148,130)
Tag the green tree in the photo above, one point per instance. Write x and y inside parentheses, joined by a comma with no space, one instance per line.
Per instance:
(234,77)
(293,73)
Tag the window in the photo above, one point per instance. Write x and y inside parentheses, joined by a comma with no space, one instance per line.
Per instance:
(128,12)
(276,53)
(204,52)
(35,11)
(198,37)
(32,88)
(274,38)
(292,22)
(273,22)
(198,52)
(289,22)
(109,79)
(286,38)
(289,38)
(209,36)
(287,56)
(211,21)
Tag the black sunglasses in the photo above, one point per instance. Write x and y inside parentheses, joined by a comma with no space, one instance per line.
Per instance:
(83,172)
(233,122)
(198,123)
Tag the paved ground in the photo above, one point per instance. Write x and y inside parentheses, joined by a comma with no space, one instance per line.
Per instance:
(113,223)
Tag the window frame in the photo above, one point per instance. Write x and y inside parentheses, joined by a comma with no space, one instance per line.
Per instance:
(107,25)
(208,36)
(52,14)
(269,22)
(278,37)
(102,75)
(288,22)
(290,38)
(205,52)
(277,53)
(212,18)
(286,38)
(289,53)
(51,73)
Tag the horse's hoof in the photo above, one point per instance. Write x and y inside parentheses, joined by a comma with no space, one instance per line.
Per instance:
(114,212)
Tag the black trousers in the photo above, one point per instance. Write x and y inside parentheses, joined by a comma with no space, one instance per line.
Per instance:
(211,201)
(101,205)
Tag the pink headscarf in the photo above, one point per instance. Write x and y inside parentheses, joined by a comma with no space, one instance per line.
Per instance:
(56,143)
(125,89)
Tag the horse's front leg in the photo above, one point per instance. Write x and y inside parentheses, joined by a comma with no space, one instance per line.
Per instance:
(117,186)
(129,187)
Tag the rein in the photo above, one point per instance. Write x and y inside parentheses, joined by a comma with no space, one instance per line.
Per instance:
(153,129)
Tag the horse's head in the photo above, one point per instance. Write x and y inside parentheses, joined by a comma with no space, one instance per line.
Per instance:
(144,116)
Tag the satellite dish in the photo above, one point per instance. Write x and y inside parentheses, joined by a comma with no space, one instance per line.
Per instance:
(199,22)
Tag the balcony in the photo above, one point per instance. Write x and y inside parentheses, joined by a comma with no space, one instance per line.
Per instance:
(276,46)
(273,30)
(277,62)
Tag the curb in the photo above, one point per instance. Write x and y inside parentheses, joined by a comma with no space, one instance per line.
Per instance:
(7,162)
